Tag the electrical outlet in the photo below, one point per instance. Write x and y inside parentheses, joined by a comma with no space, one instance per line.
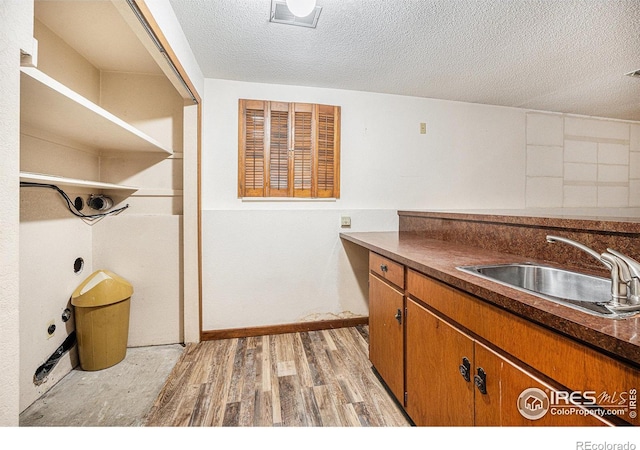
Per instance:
(423,128)
(345,222)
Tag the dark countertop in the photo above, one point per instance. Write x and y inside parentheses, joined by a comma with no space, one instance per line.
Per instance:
(560,220)
(439,259)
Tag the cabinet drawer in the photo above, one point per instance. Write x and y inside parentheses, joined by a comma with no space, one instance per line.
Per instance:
(387,269)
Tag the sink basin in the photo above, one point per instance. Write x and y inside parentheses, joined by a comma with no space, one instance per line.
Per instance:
(580,291)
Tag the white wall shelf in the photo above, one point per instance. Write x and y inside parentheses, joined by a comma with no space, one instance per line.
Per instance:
(49,105)
(73,182)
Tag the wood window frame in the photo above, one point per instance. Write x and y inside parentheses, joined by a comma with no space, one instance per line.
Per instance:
(311,132)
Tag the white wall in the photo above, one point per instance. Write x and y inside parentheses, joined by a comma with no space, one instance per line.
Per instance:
(143,244)
(267,263)
(464,160)
(16,31)
(191,225)
(582,162)
(50,241)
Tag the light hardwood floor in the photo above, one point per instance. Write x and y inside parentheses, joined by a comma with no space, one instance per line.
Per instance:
(317,378)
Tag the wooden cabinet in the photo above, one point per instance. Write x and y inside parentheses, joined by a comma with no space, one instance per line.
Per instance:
(506,383)
(437,394)
(452,379)
(387,269)
(386,332)
(454,360)
(556,360)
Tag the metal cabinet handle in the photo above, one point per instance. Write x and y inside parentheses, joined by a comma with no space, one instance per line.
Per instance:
(384,267)
(465,369)
(480,381)
(398,316)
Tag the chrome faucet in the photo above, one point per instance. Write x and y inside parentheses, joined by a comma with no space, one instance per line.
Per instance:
(620,273)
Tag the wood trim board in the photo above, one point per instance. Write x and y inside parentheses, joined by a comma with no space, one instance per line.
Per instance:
(212,335)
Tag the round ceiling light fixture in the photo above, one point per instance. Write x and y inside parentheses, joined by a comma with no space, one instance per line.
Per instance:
(301,8)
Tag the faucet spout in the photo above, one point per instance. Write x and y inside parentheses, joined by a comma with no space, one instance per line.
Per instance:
(582,247)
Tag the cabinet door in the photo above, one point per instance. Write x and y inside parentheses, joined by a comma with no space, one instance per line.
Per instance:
(506,383)
(437,392)
(386,337)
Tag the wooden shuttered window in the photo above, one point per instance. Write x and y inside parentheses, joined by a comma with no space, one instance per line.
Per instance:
(288,150)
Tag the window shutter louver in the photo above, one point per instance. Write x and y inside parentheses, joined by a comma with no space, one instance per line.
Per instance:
(252,169)
(302,150)
(328,151)
(279,151)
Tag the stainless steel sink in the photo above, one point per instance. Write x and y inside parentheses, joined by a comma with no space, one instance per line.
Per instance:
(577,290)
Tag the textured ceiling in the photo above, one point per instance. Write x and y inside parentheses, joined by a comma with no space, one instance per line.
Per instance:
(553,55)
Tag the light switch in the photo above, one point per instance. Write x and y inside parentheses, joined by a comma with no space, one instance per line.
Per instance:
(345,222)
(423,128)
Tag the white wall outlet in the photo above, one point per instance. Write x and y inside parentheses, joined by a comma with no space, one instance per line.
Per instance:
(423,128)
(345,222)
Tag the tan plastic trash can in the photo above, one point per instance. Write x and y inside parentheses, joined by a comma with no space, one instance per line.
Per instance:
(101,305)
